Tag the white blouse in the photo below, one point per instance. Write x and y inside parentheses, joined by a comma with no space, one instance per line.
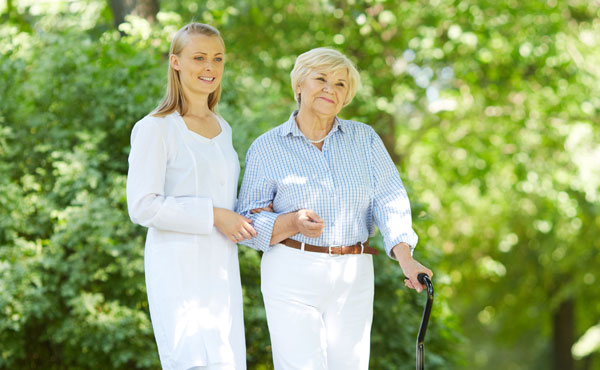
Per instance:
(175,178)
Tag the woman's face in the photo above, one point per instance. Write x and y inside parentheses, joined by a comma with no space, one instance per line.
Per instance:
(323,91)
(200,64)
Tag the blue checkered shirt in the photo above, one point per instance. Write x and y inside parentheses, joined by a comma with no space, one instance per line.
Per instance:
(351,184)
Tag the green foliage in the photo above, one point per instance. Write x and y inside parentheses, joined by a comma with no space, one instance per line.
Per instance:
(73,293)
(490,110)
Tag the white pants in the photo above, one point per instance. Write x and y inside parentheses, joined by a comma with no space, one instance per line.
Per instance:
(214,367)
(319,309)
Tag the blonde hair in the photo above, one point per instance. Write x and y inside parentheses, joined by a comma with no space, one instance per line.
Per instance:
(174,99)
(324,59)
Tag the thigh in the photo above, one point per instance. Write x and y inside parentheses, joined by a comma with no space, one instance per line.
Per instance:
(297,335)
(294,289)
(214,367)
(348,319)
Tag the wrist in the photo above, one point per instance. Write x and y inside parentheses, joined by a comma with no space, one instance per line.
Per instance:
(295,221)
(402,252)
(217,213)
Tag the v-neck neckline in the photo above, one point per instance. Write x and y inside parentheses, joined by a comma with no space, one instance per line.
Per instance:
(199,136)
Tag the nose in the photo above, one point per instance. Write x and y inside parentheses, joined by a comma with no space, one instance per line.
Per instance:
(327,87)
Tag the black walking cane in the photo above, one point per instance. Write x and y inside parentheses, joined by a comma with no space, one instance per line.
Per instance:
(424,279)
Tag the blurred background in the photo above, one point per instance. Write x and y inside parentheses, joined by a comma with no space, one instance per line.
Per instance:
(490,109)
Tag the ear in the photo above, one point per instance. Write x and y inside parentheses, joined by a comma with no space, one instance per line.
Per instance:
(298,88)
(174,62)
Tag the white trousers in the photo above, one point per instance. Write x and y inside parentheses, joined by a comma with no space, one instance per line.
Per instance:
(319,309)
(214,367)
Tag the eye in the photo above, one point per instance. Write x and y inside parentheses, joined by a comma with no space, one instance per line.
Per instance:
(341,84)
(321,79)
(199,58)
(219,59)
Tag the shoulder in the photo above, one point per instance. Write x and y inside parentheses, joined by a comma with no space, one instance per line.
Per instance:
(223,121)
(358,129)
(152,127)
(270,138)
(153,123)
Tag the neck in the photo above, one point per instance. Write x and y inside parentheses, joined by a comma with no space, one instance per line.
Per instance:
(197,104)
(314,126)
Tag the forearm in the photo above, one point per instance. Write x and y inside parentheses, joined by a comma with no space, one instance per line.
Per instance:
(191,215)
(402,252)
(285,226)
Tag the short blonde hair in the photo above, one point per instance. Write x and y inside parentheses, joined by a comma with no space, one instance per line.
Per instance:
(324,59)
(174,99)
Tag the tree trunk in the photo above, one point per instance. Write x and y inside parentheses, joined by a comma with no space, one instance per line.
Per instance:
(142,8)
(564,338)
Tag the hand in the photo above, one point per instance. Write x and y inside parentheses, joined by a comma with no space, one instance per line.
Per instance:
(234,226)
(268,208)
(309,223)
(410,267)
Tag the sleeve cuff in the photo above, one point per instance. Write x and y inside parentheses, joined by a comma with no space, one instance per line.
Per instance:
(186,215)
(409,238)
(263,224)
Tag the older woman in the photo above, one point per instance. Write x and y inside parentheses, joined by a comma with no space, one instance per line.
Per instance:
(329,180)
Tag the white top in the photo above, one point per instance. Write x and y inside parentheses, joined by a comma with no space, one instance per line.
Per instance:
(175,178)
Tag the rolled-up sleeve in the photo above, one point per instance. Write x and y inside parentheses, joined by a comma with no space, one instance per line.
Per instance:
(391,207)
(146,202)
(257,191)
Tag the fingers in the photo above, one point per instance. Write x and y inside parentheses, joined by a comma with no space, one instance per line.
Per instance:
(314,217)
(311,229)
(268,208)
(310,225)
(259,210)
(416,286)
(243,232)
(250,230)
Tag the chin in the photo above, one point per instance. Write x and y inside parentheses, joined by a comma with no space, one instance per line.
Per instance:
(326,112)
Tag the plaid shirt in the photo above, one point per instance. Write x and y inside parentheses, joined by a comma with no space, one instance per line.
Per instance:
(351,184)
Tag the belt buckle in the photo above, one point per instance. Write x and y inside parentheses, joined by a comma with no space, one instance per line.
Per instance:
(334,254)
(362,248)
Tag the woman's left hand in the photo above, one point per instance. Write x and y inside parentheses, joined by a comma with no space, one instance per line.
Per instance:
(410,267)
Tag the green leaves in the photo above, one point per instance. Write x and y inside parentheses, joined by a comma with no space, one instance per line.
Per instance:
(490,110)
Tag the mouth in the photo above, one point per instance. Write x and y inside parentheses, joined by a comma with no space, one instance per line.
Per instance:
(206,79)
(327,100)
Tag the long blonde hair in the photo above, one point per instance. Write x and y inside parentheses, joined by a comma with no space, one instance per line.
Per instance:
(174,99)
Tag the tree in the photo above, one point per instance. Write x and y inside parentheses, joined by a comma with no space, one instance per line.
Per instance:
(146,9)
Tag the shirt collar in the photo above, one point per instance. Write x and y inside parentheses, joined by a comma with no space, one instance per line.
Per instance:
(291,127)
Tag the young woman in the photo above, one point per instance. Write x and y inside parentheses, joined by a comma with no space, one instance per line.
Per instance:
(182,182)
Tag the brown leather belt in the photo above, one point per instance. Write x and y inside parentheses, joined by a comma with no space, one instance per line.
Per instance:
(338,250)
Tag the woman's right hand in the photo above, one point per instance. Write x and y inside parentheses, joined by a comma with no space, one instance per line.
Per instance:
(234,226)
(309,223)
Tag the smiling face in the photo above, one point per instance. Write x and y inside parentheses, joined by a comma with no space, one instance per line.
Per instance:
(323,92)
(200,64)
